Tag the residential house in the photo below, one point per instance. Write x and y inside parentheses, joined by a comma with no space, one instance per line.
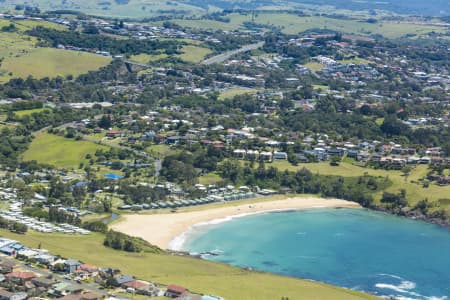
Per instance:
(189,297)
(239,153)
(173,140)
(91,269)
(424,160)
(140,287)
(27,254)
(63,289)
(7,266)
(45,259)
(5,295)
(352,153)
(81,296)
(20,277)
(43,282)
(70,265)
(122,279)
(252,155)
(265,156)
(339,152)
(113,134)
(362,156)
(174,291)
(280,156)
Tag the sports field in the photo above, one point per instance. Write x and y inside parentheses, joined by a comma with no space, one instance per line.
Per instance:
(59,151)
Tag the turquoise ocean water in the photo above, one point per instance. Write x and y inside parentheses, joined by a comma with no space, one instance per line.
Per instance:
(359,249)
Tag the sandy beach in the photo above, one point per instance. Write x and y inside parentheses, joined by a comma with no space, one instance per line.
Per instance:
(161,229)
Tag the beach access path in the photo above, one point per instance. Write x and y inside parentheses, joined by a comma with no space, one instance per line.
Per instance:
(162,228)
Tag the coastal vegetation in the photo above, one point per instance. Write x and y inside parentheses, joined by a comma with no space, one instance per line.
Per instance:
(122,241)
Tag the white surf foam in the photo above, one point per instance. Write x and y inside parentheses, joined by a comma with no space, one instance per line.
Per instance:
(177,243)
(405,288)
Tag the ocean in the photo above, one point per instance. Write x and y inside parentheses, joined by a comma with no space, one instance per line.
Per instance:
(355,248)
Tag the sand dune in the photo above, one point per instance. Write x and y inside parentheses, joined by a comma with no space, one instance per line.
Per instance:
(161,229)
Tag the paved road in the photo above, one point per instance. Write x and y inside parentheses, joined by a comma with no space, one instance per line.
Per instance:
(224,56)
(135,63)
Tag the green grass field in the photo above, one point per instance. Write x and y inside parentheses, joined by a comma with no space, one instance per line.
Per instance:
(235,92)
(21,113)
(21,58)
(293,24)
(355,60)
(25,25)
(48,62)
(198,275)
(59,151)
(133,9)
(210,178)
(314,66)
(194,54)
(146,58)
(160,150)
(321,87)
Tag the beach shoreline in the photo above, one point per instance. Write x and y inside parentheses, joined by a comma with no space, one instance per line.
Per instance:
(163,230)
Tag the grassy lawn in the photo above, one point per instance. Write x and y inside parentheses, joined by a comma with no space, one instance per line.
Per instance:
(379,121)
(193,53)
(22,58)
(147,58)
(197,275)
(314,66)
(355,60)
(59,151)
(160,150)
(209,178)
(21,113)
(48,62)
(25,25)
(235,92)
(414,191)
(322,87)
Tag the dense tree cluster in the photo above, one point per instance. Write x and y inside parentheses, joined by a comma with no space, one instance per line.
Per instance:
(53,38)
(121,241)
(57,215)
(14,141)
(13,226)
(358,189)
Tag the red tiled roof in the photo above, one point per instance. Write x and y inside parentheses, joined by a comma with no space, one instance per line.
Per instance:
(21,275)
(136,284)
(176,289)
(88,267)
